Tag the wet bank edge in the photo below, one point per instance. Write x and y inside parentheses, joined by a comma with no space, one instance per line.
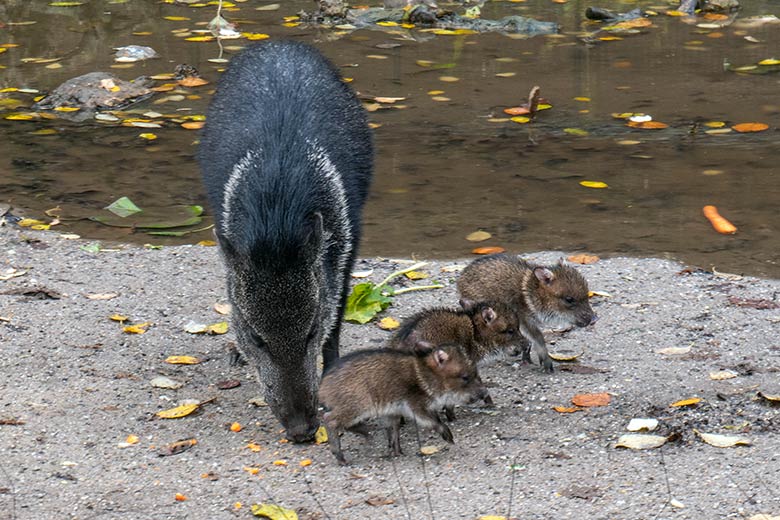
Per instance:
(81,386)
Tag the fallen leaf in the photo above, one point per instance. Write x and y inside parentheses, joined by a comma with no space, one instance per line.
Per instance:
(166,382)
(177,412)
(140,328)
(719,223)
(321,435)
(254,447)
(750,127)
(416,275)
(182,360)
(754,303)
(517,111)
(638,441)
(449,79)
(567,409)
(673,351)
(565,357)
(304,463)
(488,250)
(379,501)
(686,402)
(638,425)
(222,308)
(180,498)
(584,259)
(773,398)
(102,296)
(177,447)
(722,375)
(235,427)
(593,184)
(193,125)
(279,463)
(132,439)
(478,236)
(647,125)
(192,81)
(388,323)
(429,450)
(723,441)
(228,384)
(589,400)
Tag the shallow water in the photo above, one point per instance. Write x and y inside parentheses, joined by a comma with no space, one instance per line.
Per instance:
(443,169)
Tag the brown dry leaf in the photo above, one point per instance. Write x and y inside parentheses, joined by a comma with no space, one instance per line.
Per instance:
(722,375)
(686,402)
(379,501)
(177,447)
(228,384)
(565,357)
(567,409)
(590,400)
(192,81)
(773,398)
(673,351)
(750,127)
(754,303)
(584,259)
(490,250)
(429,450)
(517,111)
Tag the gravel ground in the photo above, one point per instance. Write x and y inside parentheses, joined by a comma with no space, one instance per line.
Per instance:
(74,386)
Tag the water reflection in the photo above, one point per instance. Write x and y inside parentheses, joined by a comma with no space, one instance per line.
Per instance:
(443,168)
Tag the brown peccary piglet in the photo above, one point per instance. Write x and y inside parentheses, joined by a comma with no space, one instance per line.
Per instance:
(389,385)
(485,330)
(543,296)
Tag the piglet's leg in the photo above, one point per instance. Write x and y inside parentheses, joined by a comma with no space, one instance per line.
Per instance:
(393,430)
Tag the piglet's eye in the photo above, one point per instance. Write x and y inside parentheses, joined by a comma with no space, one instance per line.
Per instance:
(466,378)
(509,331)
(569,300)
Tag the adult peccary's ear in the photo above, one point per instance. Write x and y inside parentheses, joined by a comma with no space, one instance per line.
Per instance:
(544,275)
(488,314)
(316,230)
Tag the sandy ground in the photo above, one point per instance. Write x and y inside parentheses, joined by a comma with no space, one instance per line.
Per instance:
(73,386)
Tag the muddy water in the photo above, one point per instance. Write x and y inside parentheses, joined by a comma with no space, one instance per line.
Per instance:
(443,168)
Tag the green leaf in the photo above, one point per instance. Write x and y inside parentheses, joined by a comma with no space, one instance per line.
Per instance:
(123,207)
(91,248)
(366,301)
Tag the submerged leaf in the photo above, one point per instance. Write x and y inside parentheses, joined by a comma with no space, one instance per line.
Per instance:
(123,207)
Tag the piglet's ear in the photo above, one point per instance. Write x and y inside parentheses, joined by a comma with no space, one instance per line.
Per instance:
(562,261)
(423,347)
(488,314)
(544,275)
(440,357)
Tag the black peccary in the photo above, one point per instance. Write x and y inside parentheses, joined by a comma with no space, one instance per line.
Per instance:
(286,157)
(543,296)
(390,385)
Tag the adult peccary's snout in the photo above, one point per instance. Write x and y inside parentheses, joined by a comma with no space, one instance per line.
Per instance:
(286,158)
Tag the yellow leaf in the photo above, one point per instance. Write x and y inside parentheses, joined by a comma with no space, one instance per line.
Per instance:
(769,61)
(582,98)
(132,439)
(506,74)
(118,317)
(136,329)
(44,131)
(567,409)
(235,427)
(674,12)
(416,275)
(280,463)
(305,462)
(388,323)
(429,450)
(565,357)
(148,136)
(387,24)
(686,402)
(593,184)
(254,447)
(66,109)
(449,79)
(424,63)
(715,124)
(255,36)
(41,227)
(178,412)
(273,512)
(291,24)
(176,18)
(251,470)
(200,38)
(20,116)
(217,328)
(182,360)
(321,436)
(520,119)
(29,222)
(478,236)
(435,92)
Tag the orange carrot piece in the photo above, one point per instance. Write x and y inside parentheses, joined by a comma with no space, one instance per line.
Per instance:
(720,224)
